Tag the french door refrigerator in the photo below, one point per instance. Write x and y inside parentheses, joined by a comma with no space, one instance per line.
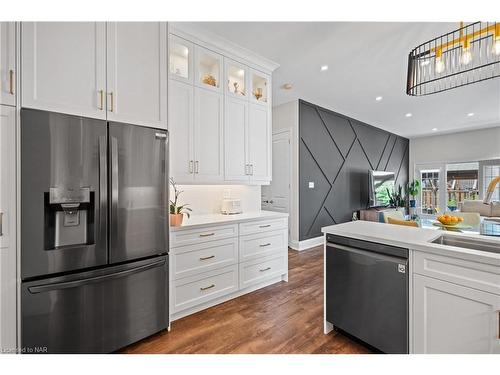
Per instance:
(94,233)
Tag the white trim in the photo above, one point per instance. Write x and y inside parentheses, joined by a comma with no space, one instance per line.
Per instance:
(305,244)
(221,45)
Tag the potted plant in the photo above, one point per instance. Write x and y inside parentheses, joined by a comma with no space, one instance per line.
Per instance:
(413,190)
(177,211)
(396,198)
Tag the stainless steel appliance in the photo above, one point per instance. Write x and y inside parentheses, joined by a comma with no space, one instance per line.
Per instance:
(94,233)
(367,292)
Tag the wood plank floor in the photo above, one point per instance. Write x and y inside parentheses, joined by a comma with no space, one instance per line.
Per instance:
(281,318)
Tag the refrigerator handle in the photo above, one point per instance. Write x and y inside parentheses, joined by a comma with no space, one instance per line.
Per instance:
(114,192)
(77,283)
(103,188)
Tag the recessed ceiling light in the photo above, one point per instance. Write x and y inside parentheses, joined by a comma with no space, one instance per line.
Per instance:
(470,114)
(324,67)
(378,98)
(408,114)
(434,129)
(287,86)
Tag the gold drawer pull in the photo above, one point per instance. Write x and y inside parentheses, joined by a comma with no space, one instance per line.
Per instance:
(265,244)
(208,287)
(11,82)
(207,234)
(265,269)
(264,226)
(206,258)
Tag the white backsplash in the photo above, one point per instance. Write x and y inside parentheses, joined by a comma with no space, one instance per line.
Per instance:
(206,199)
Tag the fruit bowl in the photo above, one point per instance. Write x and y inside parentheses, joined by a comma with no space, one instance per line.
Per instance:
(449,220)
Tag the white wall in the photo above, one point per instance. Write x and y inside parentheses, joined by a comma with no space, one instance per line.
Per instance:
(472,145)
(286,117)
(206,199)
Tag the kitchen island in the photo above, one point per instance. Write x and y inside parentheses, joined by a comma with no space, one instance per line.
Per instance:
(452,283)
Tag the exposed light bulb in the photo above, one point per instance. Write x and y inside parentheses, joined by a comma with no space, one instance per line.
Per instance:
(496,46)
(466,57)
(439,65)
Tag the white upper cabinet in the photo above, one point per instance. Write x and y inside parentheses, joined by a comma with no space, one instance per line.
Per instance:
(259,143)
(181,129)
(235,127)
(137,73)
(450,318)
(180,59)
(236,79)
(64,67)
(208,141)
(259,87)
(8,63)
(208,69)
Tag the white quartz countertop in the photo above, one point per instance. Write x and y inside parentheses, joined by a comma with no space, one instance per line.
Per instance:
(413,239)
(207,219)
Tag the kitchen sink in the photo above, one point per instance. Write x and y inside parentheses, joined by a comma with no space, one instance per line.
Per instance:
(468,243)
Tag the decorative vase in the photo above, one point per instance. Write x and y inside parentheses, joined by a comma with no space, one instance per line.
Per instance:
(176,220)
(413,203)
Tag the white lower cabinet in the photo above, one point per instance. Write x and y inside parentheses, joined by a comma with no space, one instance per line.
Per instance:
(451,318)
(216,262)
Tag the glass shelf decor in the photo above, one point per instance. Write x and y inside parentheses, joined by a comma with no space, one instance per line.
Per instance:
(236,84)
(259,87)
(208,67)
(179,58)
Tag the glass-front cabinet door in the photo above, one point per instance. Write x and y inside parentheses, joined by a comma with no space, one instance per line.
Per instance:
(208,66)
(180,59)
(259,87)
(236,79)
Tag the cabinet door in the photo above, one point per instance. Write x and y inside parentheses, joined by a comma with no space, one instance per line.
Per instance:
(7,228)
(8,63)
(259,143)
(450,318)
(64,67)
(236,82)
(180,59)
(181,129)
(208,107)
(236,117)
(137,73)
(208,69)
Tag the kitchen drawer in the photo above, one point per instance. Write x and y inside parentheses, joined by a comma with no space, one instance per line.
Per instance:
(253,246)
(257,271)
(476,275)
(194,259)
(191,236)
(195,290)
(263,225)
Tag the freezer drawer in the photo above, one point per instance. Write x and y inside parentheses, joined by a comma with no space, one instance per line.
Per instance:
(97,311)
(367,293)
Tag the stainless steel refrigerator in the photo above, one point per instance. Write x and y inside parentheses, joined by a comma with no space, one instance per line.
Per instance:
(94,233)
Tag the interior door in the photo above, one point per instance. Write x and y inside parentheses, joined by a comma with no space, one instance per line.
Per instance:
(208,107)
(139,192)
(259,143)
(136,73)
(276,195)
(7,228)
(8,63)
(64,67)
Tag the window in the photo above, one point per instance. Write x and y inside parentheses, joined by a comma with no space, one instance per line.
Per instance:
(429,200)
(489,173)
(461,184)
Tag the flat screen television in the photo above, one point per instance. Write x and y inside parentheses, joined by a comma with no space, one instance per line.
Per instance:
(380,181)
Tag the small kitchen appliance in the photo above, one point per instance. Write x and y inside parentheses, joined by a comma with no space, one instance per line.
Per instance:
(231,206)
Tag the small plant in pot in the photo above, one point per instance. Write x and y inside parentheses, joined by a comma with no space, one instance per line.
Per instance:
(396,198)
(177,210)
(414,190)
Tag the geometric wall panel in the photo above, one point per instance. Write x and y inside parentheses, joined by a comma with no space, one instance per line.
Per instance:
(336,152)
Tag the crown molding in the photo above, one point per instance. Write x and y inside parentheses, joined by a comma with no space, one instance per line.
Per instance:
(199,35)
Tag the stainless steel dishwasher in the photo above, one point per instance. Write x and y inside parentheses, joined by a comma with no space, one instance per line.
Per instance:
(367,292)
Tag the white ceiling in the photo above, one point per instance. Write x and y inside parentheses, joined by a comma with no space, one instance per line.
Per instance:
(365,60)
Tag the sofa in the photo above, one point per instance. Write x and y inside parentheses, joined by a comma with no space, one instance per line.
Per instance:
(491,210)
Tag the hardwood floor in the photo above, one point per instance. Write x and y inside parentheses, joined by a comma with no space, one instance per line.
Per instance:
(281,318)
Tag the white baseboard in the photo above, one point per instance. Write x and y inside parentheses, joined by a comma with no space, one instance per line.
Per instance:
(306,244)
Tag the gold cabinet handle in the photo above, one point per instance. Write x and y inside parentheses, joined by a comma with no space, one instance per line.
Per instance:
(196,167)
(206,258)
(11,82)
(101,99)
(208,287)
(191,170)
(265,269)
(207,234)
(112,102)
(1,224)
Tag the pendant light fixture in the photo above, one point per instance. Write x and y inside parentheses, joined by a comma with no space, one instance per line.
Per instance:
(467,55)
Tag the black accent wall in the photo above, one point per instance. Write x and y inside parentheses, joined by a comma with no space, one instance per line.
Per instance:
(336,152)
